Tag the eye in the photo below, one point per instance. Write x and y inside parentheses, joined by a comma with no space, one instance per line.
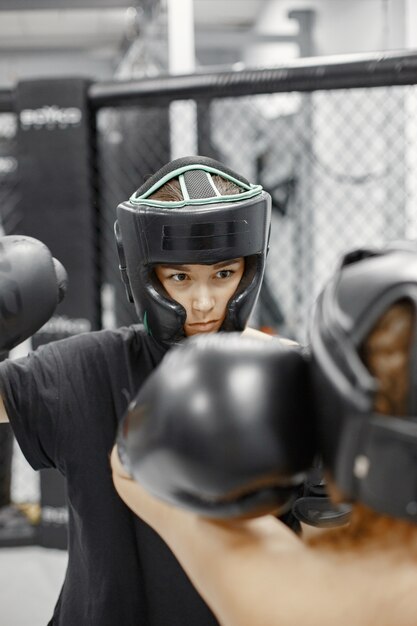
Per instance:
(178,278)
(224,273)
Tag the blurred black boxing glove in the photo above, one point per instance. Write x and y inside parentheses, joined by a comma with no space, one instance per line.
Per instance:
(32,283)
(223,427)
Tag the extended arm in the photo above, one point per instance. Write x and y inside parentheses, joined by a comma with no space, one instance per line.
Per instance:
(247,571)
(219,429)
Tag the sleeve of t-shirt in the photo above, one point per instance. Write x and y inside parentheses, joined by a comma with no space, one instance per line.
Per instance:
(66,391)
(31,389)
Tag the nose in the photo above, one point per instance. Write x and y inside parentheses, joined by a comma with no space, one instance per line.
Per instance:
(203,301)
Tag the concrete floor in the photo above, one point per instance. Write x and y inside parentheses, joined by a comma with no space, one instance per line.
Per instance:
(30,581)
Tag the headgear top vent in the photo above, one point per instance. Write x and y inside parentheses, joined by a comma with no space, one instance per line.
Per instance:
(370,453)
(204,227)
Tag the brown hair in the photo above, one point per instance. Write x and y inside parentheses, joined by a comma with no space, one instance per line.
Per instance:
(171,191)
(386,354)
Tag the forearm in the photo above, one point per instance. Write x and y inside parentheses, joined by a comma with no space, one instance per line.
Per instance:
(3,414)
(236,567)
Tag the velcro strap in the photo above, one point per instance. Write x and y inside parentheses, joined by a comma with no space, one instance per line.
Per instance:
(205,236)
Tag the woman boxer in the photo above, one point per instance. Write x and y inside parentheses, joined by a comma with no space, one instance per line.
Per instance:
(255,572)
(191,265)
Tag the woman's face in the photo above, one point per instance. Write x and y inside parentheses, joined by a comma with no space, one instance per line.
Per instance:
(203,291)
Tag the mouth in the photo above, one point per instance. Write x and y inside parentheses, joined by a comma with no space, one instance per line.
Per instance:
(203,325)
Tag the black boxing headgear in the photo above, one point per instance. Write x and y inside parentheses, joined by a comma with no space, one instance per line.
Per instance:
(371,456)
(204,227)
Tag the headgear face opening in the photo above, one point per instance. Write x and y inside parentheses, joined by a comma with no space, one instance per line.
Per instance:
(204,228)
(367,424)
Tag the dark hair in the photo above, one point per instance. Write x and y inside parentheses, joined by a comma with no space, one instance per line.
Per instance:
(171,191)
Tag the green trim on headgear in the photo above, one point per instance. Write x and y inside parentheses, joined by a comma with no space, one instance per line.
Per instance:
(250,190)
(145,323)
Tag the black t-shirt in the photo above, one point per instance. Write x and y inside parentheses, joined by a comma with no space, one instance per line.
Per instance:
(65,401)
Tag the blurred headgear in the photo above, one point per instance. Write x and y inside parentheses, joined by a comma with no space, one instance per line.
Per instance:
(370,455)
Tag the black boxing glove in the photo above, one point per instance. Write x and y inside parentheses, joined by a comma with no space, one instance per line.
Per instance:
(223,427)
(32,283)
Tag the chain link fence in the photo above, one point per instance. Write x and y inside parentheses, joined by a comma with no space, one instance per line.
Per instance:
(340,166)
